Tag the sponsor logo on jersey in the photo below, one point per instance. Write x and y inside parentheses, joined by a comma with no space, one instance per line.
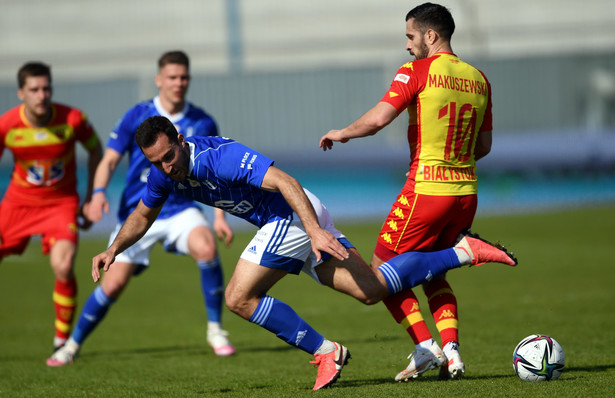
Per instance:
(244,161)
(252,249)
(400,77)
(448,173)
(234,208)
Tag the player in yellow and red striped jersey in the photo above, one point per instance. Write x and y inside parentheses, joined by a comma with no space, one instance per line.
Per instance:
(449,107)
(42,197)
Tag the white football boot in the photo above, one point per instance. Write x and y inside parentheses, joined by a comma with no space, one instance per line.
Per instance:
(65,354)
(454,368)
(422,360)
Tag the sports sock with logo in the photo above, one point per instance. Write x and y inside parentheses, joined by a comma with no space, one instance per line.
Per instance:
(404,306)
(212,286)
(279,318)
(443,306)
(407,270)
(94,311)
(65,304)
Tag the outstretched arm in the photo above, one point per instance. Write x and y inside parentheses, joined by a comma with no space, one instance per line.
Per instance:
(322,240)
(104,173)
(94,156)
(135,226)
(370,123)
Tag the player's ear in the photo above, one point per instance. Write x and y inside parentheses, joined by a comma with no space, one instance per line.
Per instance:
(431,36)
(20,94)
(181,140)
(158,80)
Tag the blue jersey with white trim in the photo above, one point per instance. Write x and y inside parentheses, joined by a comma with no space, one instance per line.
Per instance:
(191,121)
(224,174)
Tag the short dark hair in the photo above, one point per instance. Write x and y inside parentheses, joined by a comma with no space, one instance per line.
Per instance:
(151,128)
(32,69)
(433,16)
(174,57)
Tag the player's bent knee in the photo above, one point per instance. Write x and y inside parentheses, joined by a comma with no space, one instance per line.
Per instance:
(239,305)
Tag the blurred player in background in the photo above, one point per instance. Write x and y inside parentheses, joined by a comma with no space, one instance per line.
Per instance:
(42,197)
(182,227)
(296,233)
(449,107)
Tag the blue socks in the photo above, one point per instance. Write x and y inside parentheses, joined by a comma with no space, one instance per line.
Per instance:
(410,269)
(93,312)
(212,285)
(277,317)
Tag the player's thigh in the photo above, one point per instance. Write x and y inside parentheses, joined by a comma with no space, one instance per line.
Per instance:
(249,282)
(139,253)
(60,224)
(188,232)
(14,237)
(353,277)
(460,217)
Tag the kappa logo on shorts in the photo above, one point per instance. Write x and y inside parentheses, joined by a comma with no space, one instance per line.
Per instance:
(252,249)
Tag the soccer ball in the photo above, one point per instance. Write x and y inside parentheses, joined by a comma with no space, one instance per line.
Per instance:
(538,358)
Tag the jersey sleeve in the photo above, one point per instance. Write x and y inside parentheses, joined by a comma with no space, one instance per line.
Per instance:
(242,165)
(158,189)
(123,134)
(404,87)
(83,129)
(488,118)
(206,126)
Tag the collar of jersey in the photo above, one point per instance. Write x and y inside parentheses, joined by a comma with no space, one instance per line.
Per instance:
(191,164)
(173,118)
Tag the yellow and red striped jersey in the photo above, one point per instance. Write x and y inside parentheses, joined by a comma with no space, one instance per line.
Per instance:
(448,102)
(45,166)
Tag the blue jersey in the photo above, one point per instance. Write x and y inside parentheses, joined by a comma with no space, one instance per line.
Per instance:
(191,121)
(225,174)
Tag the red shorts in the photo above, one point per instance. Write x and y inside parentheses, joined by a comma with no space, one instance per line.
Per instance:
(54,222)
(424,223)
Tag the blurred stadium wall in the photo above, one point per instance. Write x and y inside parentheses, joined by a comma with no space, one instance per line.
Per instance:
(277,75)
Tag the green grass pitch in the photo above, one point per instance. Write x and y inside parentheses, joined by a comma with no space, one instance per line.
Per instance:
(152,343)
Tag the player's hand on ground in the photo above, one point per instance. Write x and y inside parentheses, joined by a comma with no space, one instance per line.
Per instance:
(98,205)
(101,261)
(323,240)
(326,141)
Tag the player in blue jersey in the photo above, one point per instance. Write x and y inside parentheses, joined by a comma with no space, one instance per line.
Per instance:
(181,226)
(296,233)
